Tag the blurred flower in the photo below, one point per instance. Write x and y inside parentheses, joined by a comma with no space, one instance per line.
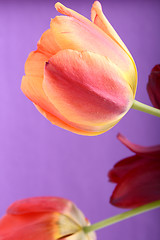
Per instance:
(153,86)
(81,77)
(44,218)
(137,177)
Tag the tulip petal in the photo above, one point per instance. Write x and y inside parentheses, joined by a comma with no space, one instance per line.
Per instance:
(71,33)
(35,64)
(47,43)
(31,84)
(47,205)
(54,120)
(138,187)
(153,86)
(32,88)
(71,13)
(48,218)
(154,96)
(38,205)
(100,94)
(36,226)
(78,33)
(100,20)
(124,166)
(153,152)
(82,236)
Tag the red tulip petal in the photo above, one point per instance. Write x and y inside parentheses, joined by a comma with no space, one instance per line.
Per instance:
(153,86)
(37,227)
(48,218)
(39,205)
(138,187)
(124,166)
(154,96)
(152,152)
(46,205)
(34,226)
(95,84)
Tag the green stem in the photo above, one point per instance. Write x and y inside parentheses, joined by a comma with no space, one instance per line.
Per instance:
(145,108)
(121,217)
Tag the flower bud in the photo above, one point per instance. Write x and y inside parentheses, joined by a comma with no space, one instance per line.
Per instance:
(39,218)
(81,77)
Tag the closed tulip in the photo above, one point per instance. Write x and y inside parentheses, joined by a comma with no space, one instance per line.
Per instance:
(137,177)
(81,77)
(44,218)
(153,86)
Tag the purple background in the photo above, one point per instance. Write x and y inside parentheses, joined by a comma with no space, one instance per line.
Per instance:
(38,158)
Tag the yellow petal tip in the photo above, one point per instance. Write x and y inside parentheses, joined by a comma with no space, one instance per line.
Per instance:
(59,7)
(97,4)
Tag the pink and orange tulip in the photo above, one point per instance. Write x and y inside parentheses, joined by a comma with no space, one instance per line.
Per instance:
(81,77)
(44,218)
(137,177)
(153,86)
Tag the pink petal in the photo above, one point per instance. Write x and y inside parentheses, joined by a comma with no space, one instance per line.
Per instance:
(87,89)
(78,33)
(32,88)
(99,19)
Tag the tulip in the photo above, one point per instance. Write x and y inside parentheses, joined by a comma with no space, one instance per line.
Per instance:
(81,77)
(44,218)
(153,86)
(137,177)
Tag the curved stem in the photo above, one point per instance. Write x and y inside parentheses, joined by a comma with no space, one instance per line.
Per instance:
(145,108)
(121,217)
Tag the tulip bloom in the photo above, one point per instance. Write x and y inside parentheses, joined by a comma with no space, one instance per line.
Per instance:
(44,218)
(153,86)
(81,77)
(137,177)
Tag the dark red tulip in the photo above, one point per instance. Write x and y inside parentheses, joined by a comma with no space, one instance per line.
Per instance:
(137,177)
(153,86)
